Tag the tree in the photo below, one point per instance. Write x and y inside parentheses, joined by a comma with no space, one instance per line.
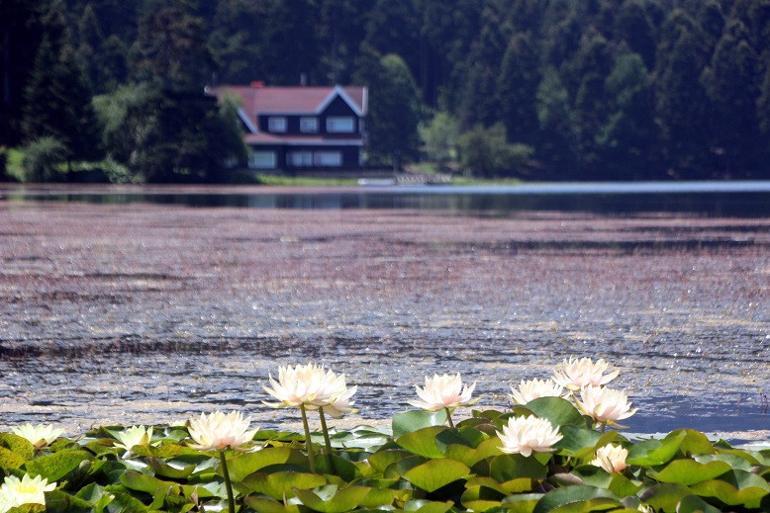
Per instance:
(58,97)
(681,101)
(517,89)
(394,108)
(557,141)
(633,26)
(439,138)
(732,82)
(627,141)
(486,152)
(480,100)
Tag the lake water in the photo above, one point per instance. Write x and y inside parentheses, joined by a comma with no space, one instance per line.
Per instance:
(124,304)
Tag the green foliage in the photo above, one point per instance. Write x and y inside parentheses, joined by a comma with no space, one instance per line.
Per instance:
(439,138)
(431,469)
(42,158)
(486,152)
(600,89)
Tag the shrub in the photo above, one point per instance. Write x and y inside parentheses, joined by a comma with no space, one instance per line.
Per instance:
(42,158)
(486,152)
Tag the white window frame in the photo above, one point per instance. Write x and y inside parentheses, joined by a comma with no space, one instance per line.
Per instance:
(262,159)
(308,124)
(327,158)
(340,124)
(300,158)
(277,124)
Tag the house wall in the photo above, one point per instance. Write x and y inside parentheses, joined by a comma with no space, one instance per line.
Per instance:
(350,156)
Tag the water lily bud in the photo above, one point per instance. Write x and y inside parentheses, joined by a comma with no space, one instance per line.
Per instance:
(611,458)
(443,391)
(525,435)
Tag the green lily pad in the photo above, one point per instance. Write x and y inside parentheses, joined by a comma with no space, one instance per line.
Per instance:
(513,466)
(424,442)
(736,488)
(241,465)
(332,499)
(281,484)
(688,472)
(559,411)
(414,420)
(56,466)
(572,496)
(694,504)
(434,474)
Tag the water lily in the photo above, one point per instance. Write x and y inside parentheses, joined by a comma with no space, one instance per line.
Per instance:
(219,431)
(444,392)
(16,492)
(311,387)
(611,458)
(302,385)
(38,435)
(525,435)
(605,405)
(135,436)
(535,389)
(575,373)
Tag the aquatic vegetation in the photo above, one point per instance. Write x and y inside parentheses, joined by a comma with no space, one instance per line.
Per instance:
(38,435)
(444,392)
(534,389)
(545,456)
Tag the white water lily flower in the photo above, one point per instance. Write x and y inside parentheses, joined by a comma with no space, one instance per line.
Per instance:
(443,391)
(575,373)
(132,437)
(220,430)
(16,492)
(307,385)
(38,435)
(525,435)
(535,389)
(611,458)
(339,400)
(605,405)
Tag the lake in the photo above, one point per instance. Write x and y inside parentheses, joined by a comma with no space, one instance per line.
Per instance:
(143,304)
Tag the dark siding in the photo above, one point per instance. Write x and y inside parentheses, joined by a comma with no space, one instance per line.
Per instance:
(350,155)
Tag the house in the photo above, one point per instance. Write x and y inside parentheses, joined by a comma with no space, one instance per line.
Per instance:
(301,127)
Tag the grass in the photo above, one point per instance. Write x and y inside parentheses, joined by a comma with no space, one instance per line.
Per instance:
(304,181)
(469,180)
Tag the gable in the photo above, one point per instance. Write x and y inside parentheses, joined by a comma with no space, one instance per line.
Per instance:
(338,107)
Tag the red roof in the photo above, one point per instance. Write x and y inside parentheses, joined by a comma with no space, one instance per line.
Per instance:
(259,99)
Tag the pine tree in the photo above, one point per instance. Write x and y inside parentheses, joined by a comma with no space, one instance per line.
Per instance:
(733,86)
(557,141)
(681,102)
(627,141)
(58,96)
(517,89)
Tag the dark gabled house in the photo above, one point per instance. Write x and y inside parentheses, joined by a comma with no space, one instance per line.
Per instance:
(302,127)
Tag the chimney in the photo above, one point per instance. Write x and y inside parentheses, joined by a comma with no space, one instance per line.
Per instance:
(257,84)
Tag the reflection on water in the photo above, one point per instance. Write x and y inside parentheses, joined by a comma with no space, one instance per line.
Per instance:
(745,199)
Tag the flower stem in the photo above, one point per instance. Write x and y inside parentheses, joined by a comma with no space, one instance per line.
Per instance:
(228,484)
(449,418)
(327,441)
(308,441)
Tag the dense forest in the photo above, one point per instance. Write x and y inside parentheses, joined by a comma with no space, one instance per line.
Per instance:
(539,89)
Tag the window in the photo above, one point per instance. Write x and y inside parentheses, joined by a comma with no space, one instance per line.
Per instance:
(276,124)
(308,125)
(262,160)
(300,159)
(327,158)
(340,124)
